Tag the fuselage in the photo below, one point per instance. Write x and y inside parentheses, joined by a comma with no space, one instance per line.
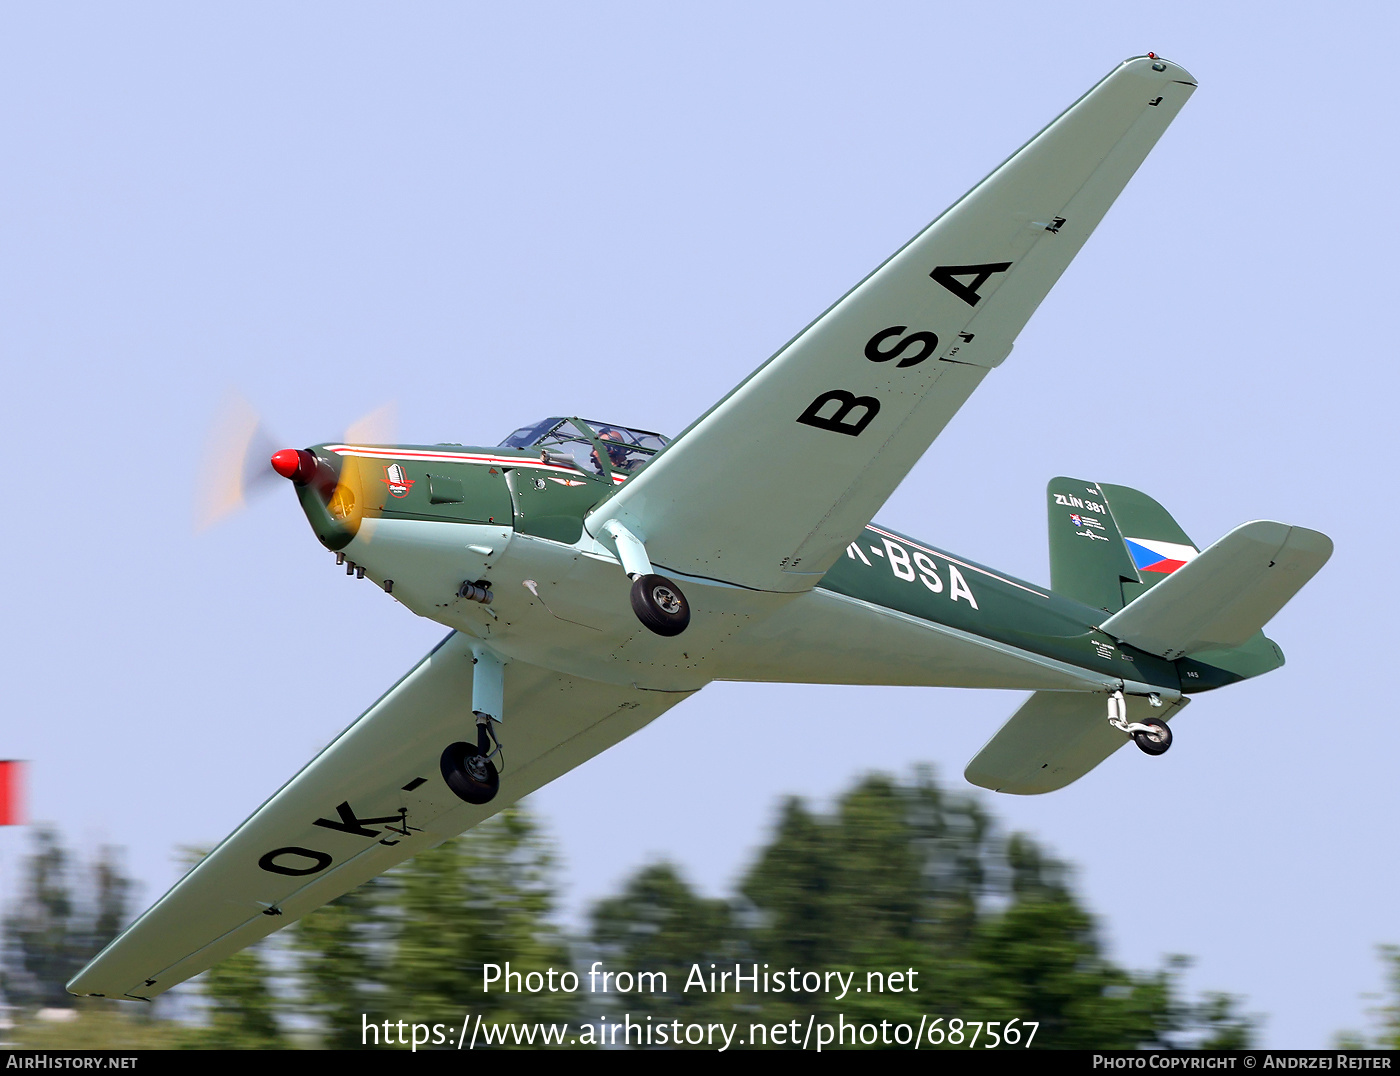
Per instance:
(422,520)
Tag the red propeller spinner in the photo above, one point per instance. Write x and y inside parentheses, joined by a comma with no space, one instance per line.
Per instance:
(294,463)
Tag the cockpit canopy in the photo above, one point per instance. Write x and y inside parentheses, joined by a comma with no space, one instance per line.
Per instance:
(599,448)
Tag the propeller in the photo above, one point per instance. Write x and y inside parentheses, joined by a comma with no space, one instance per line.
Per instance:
(376,428)
(242,458)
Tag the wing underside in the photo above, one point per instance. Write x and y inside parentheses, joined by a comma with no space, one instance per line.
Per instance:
(372,799)
(769,486)
(1055,738)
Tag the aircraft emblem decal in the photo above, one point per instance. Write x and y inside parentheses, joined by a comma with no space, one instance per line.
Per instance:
(396,478)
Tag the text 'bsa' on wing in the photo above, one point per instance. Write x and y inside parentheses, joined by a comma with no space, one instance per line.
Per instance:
(768,487)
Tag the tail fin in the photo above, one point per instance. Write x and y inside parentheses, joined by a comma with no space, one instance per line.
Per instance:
(1111,545)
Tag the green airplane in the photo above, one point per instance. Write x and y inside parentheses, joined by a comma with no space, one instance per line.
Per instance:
(594,575)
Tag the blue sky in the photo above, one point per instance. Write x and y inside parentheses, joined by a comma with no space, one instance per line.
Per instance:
(490,215)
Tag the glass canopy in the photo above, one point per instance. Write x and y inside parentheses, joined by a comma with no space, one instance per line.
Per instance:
(596,447)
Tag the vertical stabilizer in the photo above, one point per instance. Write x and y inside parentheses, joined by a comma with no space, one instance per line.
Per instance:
(1109,544)
(1156,545)
(1088,561)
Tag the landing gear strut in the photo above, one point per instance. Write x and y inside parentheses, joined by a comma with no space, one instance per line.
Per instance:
(658,602)
(468,768)
(1151,735)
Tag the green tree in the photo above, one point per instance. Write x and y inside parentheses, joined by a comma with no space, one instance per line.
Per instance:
(1387,1014)
(486,897)
(414,945)
(343,951)
(410,945)
(241,1007)
(659,924)
(101,1025)
(916,885)
(240,1004)
(1390,1013)
(54,931)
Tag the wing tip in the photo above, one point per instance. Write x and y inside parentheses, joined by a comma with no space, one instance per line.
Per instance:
(1151,62)
(1314,545)
(1005,785)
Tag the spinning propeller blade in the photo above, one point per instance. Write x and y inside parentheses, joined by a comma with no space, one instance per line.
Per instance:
(238,460)
(235,462)
(376,428)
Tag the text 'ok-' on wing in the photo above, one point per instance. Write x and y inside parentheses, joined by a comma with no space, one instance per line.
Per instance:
(769,486)
(372,799)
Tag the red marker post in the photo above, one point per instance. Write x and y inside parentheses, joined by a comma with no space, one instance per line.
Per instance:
(11,792)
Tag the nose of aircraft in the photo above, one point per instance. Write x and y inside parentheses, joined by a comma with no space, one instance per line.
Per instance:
(294,463)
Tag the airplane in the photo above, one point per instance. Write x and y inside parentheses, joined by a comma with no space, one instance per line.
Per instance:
(593,575)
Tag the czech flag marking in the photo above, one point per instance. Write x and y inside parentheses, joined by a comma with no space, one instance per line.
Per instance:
(1163,558)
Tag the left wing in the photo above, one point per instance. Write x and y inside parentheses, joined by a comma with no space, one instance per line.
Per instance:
(768,487)
(336,824)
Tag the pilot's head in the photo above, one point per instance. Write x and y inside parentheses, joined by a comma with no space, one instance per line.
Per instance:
(615,447)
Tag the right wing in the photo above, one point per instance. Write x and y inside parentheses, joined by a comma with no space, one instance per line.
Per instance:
(333,826)
(769,486)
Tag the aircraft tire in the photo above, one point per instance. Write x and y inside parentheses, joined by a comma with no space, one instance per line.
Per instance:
(1154,743)
(469,776)
(660,605)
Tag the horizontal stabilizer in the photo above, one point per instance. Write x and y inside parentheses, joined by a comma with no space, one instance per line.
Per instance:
(1224,595)
(1055,738)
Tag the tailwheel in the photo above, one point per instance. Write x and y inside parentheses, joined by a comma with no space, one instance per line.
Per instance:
(660,605)
(469,773)
(1155,740)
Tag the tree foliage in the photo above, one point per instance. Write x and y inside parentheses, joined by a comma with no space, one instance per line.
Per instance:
(1390,1012)
(64,915)
(412,945)
(241,1006)
(1386,1015)
(898,878)
(658,923)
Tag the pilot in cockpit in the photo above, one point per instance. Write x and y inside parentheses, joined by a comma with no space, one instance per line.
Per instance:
(618,456)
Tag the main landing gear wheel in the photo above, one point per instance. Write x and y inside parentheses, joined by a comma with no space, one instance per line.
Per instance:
(1158,740)
(660,605)
(469,773)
